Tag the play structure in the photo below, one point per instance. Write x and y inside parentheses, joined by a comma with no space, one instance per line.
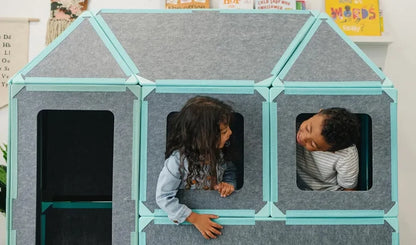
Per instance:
(89,118)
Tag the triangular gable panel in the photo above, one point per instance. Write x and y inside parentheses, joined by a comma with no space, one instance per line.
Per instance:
(327,55)
(208,45)
(84,52)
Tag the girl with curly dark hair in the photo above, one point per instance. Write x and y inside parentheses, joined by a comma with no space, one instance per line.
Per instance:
(194,160)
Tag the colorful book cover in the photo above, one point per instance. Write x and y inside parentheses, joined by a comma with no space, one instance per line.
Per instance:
(187,4)
(236,4)
(276,4)
(355,17)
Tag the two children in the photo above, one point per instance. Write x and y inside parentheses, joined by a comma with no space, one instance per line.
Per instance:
(327,158)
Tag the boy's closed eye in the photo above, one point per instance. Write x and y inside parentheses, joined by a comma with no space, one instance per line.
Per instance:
(309,134)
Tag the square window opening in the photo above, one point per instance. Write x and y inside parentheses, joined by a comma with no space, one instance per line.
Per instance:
(364,147)
(234,148)
(75,155)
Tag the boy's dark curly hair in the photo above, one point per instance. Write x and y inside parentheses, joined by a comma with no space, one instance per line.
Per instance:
(341,128)
(195,133)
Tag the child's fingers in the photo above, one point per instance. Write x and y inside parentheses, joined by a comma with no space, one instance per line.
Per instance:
(216,225)
(215,231)
(225,192)
(213,216)
(204,234)
(210,234)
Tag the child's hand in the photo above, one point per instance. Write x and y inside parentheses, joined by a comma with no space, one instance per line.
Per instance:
(207,227)
(224,189)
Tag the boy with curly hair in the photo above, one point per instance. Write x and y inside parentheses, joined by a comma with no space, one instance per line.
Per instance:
(327,158)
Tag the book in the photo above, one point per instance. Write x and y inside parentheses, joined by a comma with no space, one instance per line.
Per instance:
(300,4)
(276,4)
(355,17)
(236,4)
(187,4)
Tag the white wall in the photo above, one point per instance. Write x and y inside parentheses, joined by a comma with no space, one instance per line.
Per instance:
(399,65)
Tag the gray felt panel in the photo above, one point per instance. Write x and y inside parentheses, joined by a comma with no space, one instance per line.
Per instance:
(327,58)
(250,196)
(205,44)
(274,232)
(290,197)
(81,55)
(29,105)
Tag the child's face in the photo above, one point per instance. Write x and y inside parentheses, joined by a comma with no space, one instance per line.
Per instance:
(225,134)
(309,134)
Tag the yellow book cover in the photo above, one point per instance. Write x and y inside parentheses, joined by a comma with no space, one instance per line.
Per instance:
(355,17)
(187,4)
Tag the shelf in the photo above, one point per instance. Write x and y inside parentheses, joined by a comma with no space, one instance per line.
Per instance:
(374,40)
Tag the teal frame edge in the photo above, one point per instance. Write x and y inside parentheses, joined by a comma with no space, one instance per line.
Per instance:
(76,88)
(205,90)
(135,185)
(135,149)
(395,238)
(338,84)
(75,81)
(335,214)
(143,151)
(394,153)
(266,147)
(11,192)
(273,153)
(208,83)
(335,221)
(334,91)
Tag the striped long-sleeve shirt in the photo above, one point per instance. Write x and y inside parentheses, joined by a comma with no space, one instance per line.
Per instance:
(324,170)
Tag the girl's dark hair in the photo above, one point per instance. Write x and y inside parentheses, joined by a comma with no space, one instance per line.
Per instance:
(195,133)
(341,128)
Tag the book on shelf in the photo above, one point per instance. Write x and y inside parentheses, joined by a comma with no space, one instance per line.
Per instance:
(236,4)
(276,4)
(187,4)
(356,17)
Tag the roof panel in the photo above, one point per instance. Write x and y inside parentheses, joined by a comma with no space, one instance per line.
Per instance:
(206,45)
